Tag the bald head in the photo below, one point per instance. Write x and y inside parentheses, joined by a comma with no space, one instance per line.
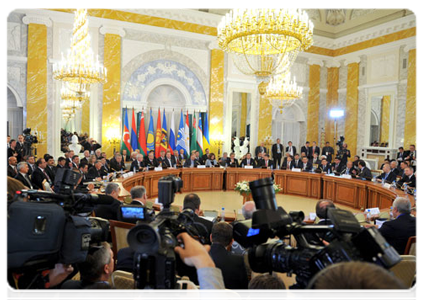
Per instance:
(248,209)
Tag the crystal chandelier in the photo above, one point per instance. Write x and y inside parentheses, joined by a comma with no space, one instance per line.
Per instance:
(79,66)
(282,91)
(265,42)
(75,93)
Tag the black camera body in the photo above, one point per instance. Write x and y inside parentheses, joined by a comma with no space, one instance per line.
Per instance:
(348,241)
(340,143)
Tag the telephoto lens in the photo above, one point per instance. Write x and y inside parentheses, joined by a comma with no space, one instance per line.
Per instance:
(263,193)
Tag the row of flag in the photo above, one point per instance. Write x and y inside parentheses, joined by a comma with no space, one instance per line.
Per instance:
(188,138)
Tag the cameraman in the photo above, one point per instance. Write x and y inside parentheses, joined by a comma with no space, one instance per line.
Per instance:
(193,202)
(344,154)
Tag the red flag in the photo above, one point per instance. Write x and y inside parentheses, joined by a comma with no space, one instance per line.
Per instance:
(126,137)
(141,136)
(158,135)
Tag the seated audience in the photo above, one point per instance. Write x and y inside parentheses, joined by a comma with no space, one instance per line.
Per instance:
(11,167)
(192,162)
(266,282)
(363,171)
(23,176)
(267,162)
(307,166)
(387,174)
(109,211)
(287,163)
(232,265)
(232,161)
(193,202)
(397,231)
(248,161)
(408,178)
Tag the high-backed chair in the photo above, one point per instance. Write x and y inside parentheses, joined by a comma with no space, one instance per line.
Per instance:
(405,270)
(119,231)
(122,280)
(410,248)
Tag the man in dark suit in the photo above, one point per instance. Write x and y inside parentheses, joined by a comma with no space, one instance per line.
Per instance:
(232,161)
(94,173)
(349,169)
(412,156)
(117,164)
(51,168)
(337,166)
(328,152)
(259,158)
(314,149)
(83,170)
(277,152)
(11,151)
(86,157)
(191,162)
(169,161)
(315,159)
(31,164)
(22,175)
(266,162)
(182,155)
(138,164)
(223,161)
(260,149)
(401,155)
(292,150)
(139,198)
(297,162)
(109,211)
(325,166)
(363,172)
(20,146)
(398,231)
(39,175)
(394,167)
(306,149)
(61,163)
(248,161)
(307,166)
(408,177)
(11,168)
(206,156)
(387,174)
(161,158)
(151,161)
(288,163)
(232,265)
(193,202)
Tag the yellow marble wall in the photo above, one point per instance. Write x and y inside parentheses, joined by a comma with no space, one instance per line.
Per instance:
(331,102)
(111,93)
(410,106)
(36,89)
(313,104)
(265,120)
(243,114)
(85,120)
(384,126)
(216,98)
(351,110)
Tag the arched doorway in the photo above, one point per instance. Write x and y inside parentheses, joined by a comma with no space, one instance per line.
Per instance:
(287,126)
(14,115)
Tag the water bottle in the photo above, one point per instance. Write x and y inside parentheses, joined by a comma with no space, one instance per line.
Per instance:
(383,181)
(374,179)
(222,215)
(135,170)
(391,215)
(415,194)
(405,187)
(114,175)
(394,184)
(368,216)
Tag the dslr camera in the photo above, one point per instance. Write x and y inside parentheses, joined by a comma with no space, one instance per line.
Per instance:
(348,240)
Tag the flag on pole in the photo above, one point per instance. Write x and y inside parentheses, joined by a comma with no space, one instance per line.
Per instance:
(158,135)
(206,140)
(200,136)
(181,139)
(193,135)
(141,136)
(150,134)
(134,140)
(163,142)
(172,133)
(187,135)
(126,141)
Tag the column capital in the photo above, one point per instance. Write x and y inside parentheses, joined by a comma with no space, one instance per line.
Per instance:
(213,45)
(37,19)
(352,60)
(315,61)
(409,47)
(332,63)
(112,30)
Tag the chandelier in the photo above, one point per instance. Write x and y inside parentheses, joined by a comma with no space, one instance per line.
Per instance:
(265,42)
(75,92)
(79,66)
(282,91)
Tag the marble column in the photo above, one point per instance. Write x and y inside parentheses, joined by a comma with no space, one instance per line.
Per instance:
(313,101)
(216,98)
(36,91)
(243,114)
(386,111)
(351,112)
(331,102)
(410,106)
(265,120)
(85,118)
(111,93)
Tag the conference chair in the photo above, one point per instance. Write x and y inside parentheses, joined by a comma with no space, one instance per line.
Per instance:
(123,280)
(119,231)
(405,270)
(410,248)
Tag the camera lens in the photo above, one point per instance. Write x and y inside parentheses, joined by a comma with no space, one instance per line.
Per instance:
(263,193)
(143,238)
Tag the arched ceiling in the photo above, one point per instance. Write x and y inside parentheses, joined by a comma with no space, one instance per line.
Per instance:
(335,23)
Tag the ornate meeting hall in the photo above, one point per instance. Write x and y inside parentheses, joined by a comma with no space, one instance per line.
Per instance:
(211,149)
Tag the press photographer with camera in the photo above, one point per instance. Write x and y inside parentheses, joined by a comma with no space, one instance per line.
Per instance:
(343,152)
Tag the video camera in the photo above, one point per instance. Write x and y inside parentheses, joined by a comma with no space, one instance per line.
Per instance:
(340,143)
(348,242)
(155,262)
(52,228)
(28,141)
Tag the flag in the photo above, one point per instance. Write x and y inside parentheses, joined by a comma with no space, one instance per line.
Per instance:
(163,141)
(150,134)
(200,135)
(134,140)
(126,141)
(187,135)
(193,135)
(206,140)
(158,135)
(182,134)
(141,136)
(172,133)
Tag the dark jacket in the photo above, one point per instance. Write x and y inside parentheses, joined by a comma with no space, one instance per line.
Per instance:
(275,150)
(232,266)
(294,149)
(233,164)
(37,179)
(93,173)
(108,211)
(252,162)
(285,164)
(24,182)
(270,163)
(397,232)
(365,173)
(137,165)
(115,166)
(410,181)
(187,163)
(388,177)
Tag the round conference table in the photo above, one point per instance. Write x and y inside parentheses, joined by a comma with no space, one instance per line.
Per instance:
(354,193)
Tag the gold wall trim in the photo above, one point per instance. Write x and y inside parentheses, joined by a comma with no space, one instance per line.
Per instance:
(125,16)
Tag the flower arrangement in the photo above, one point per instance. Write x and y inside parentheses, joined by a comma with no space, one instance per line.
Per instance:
(244,188)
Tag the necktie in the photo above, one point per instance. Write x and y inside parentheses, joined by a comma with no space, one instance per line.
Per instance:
(289,165)
(266,163)
(248,162)
(48,178)
(28,181)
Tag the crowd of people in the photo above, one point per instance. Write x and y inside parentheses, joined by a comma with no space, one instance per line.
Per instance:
(221,262)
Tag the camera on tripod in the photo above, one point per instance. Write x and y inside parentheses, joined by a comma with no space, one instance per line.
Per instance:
(349,241)
(340,142)
(28,141)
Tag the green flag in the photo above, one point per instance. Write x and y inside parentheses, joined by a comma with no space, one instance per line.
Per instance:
(193,135)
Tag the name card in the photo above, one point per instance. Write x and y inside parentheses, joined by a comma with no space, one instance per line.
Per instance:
(158,169)
(387,185)
(201,167)
(346,176)
(296,170)
(312,216)
(130,174)
(126,175)
(373,211)
(248,167)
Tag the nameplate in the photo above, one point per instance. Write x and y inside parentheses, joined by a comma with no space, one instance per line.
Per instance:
(248,167)
(125,175)
(130,174)
(158,169)
(346,176)
(387,185)
(296,170)
(201,167)
(373,211)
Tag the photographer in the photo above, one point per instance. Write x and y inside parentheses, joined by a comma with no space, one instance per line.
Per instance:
(193,202)
(344,154)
